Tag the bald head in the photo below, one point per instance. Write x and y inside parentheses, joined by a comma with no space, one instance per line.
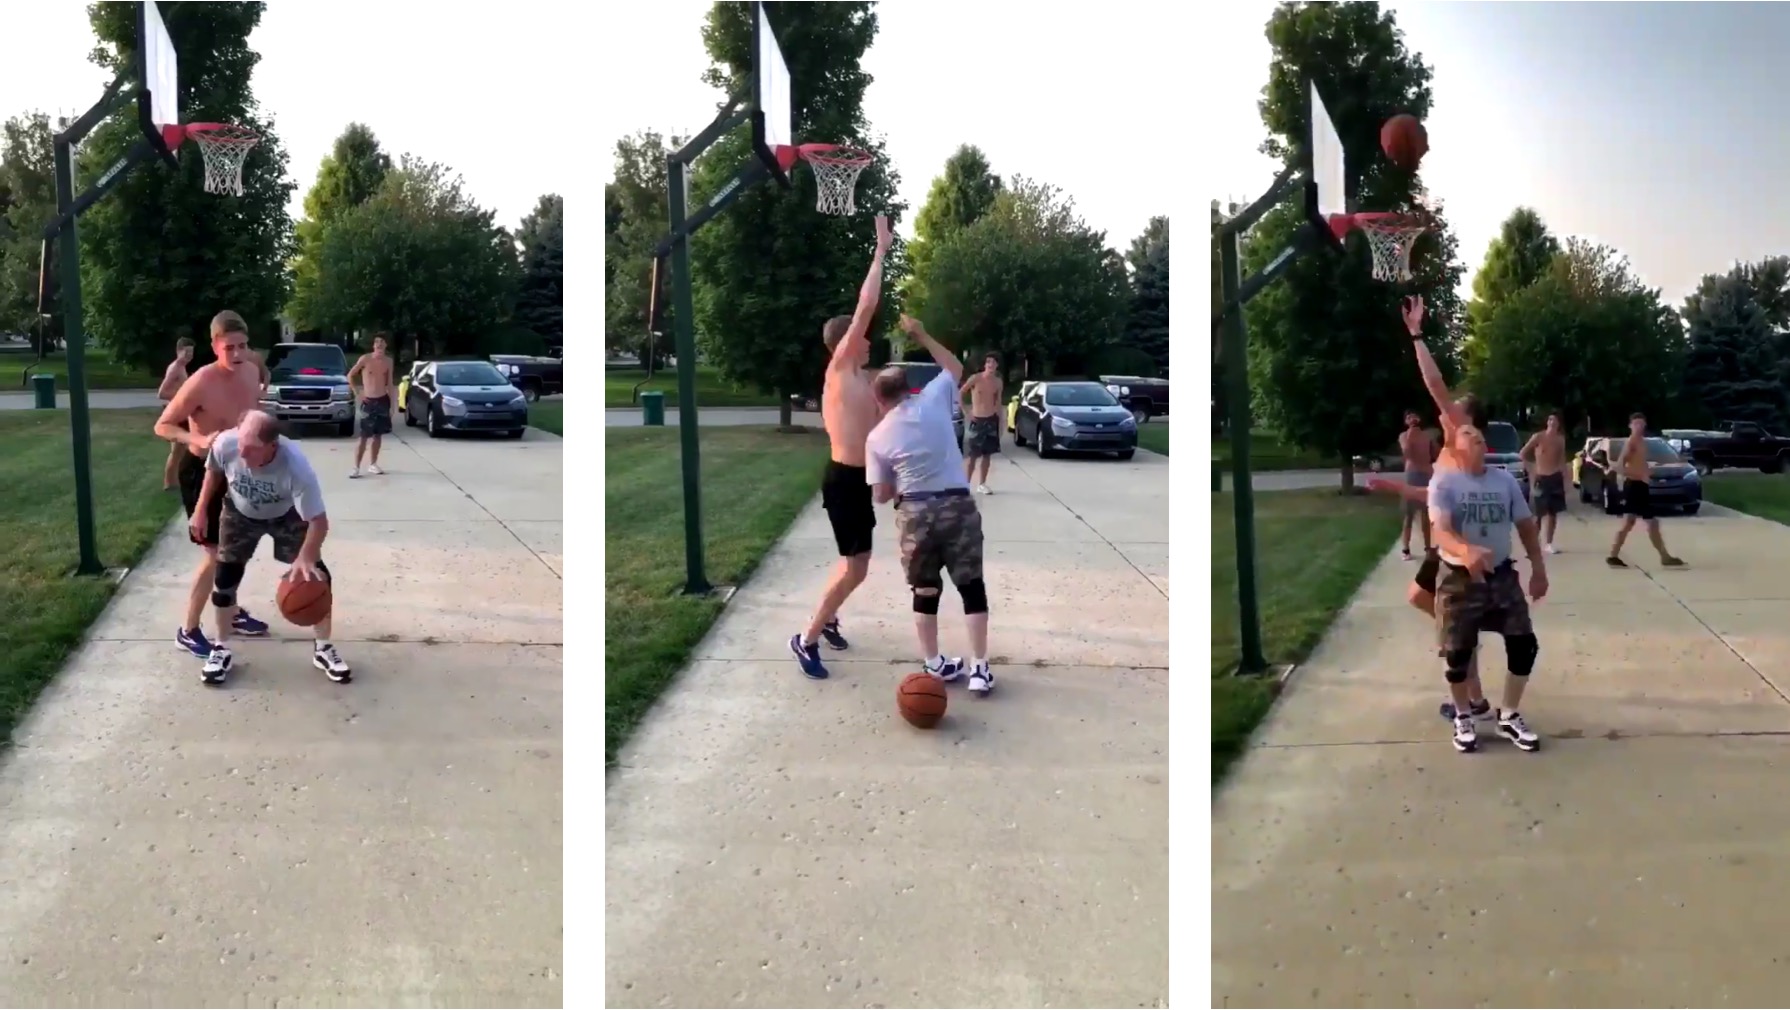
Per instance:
(890,385)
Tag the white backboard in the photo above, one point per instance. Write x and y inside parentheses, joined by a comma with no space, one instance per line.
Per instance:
(160,71)
(772,90)
(1326,160)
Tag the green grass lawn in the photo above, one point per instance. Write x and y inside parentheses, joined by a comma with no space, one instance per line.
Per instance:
(548,415)
(1764,495)
(102,372)
(1153,437)
(1313,548)
(1268,452)
(711,389)
(650,629)
(44,610)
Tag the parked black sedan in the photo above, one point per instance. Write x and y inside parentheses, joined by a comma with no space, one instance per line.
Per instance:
(465,396)
(1672,482)
(1058,417)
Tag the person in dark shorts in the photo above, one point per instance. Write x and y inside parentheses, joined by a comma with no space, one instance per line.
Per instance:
(258,484)
(913,459)
(1474,510)
(1637,495)
(845,495)
(1545,456)
(982,432)
(370,382)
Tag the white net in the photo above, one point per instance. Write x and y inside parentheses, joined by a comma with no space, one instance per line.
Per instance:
(1390,240)
(836,180)
(225,148)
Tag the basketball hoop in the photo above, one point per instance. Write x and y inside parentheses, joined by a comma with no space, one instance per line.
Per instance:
(225,148)
(1390,237)
(835,175)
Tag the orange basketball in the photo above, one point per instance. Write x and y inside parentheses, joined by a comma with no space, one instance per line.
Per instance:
(921,698)
(303,602)
(1405,141)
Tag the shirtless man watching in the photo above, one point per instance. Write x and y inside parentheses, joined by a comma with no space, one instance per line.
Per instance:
(1637,495)
(1414,445)
(1545,456)
(374,393)
(982,431)
(172,380)
(212,401)
(848,409)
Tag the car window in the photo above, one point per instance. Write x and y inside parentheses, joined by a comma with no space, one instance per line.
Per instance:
(286,360)
(1078,394)
(469,373)
(1660,451)
(1502,438)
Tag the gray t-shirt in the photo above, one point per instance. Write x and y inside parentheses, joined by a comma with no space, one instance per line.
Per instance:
(1483,510)
(286,483)
(914,447)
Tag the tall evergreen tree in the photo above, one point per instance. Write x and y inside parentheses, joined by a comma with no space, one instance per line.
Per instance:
(540,303)
(1147,326)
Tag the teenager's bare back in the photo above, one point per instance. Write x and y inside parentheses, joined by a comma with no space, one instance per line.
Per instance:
(848,409)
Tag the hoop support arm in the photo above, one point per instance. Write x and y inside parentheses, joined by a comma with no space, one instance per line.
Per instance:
(725,120)
(1283,187)
(108,103)
(140,151)
(1301,243)
(751,174)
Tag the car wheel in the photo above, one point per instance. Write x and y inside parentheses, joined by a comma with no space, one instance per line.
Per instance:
(1702,467)
(1611,507)
(1691,509)
(409,417)
(1019,439)
(1140,413)
(514,434)
(1125,454)
(345,429)
(531,393)
(434,428)
(1044,449)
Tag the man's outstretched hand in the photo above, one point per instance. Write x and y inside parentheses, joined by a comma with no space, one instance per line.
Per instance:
(883,234)
(1413,310)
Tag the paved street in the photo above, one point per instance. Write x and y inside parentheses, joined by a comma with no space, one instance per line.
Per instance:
(98,399)
(631,417)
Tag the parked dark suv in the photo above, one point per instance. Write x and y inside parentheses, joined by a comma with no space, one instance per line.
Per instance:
(308,384)
(1145,398)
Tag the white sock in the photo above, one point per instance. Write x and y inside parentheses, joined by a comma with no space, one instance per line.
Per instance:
(980,663)
(936,663)
(322,644)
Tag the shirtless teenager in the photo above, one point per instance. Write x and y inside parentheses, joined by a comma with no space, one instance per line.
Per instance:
(374,392)
(1637,495)
(212,401)
(848,409)
(982,430)
(1419,455)
(1545,456)
(172,380)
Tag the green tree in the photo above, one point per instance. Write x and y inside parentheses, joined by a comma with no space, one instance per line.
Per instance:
(159,255)
(540,303)
(422,261)
(770,271)
(27,178)
(637,220)
(1029,280)
(959,196)
(1330,363)
(1587,339)
(1146,329)
(1517,258)
(1734,365)
(349,176)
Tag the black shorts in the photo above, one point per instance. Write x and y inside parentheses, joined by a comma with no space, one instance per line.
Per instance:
(1426,572)
(1637,499)
(1550,495)
(191,478)
(845,494)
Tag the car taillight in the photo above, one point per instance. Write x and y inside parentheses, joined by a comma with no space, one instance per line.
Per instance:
(915,391)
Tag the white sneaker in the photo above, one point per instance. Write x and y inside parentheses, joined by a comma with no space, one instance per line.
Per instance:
(1551,549)
(352,474)
(1466,738)
(983,489)
(981,680)
(217,665)
(1512,727)
(375,471)
(330,662)
(948,670)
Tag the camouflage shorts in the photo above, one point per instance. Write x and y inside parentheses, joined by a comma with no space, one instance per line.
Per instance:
(238,535)
(1465,609)
(940,533)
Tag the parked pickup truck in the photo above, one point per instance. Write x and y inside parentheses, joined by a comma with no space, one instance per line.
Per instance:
(536,377)
(308,384)
(1146,398)
(1744,445)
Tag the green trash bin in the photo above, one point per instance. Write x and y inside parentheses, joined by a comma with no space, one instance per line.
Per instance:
(652,409)
(43,388)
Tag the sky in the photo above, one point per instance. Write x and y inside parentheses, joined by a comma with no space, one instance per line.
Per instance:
(1066,100)
(1655,128)
(463,91)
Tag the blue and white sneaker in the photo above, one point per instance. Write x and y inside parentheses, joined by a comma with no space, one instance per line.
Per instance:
(944,668)
(831,634)
(217,665)
(193,641)
(808,657)
(981,680)
(243,624)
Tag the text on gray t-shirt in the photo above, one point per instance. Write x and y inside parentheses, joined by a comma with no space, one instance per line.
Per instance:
(1482,509)
(285,484)
(914,447)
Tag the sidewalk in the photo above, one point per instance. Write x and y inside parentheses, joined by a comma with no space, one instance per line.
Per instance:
(289,841)
(1636,861)
(778,842)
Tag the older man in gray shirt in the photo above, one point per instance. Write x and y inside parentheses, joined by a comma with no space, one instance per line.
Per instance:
(1474,509)
(912,457)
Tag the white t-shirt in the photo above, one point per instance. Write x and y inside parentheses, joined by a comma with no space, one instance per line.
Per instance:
(914,447)
(285,484)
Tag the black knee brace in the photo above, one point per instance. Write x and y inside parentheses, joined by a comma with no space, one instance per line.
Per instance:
(1520,652)
(1458,661)
(224,583)
(975,596)
(926,598)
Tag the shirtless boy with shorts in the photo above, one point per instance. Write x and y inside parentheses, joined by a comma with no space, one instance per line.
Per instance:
(1545,456)
(212,401)
(982,431)
(1414,445)
(172,380)
(848,409)
(374,393)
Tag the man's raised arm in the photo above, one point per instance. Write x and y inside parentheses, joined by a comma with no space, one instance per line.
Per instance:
(940,353)
(1426,363)
(856,342)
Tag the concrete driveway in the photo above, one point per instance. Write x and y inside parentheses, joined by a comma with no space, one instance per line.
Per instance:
(1636,861)
(289,841)
(778,842)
